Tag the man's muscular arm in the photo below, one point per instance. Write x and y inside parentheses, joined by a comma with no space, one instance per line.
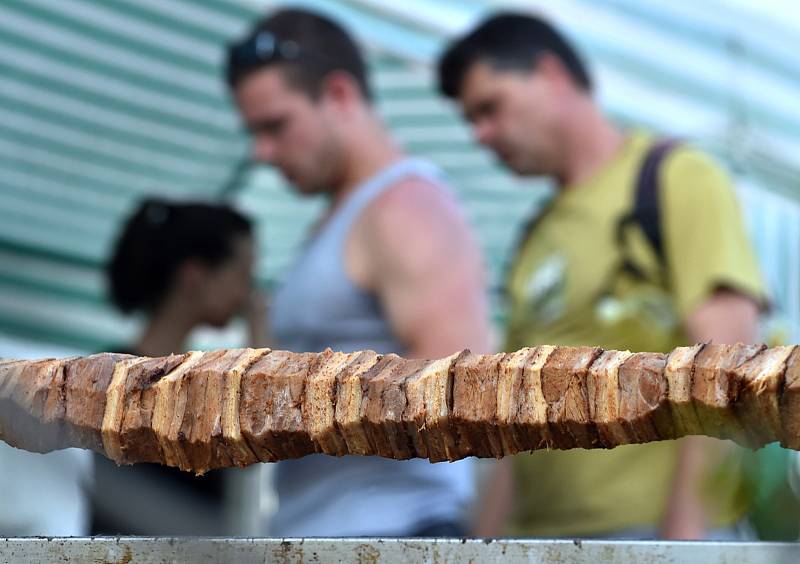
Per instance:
(422,261)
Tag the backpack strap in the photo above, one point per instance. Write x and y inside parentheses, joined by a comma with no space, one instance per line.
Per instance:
(646,212)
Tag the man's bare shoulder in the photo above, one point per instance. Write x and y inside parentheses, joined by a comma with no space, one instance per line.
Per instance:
(413,206)
(413,225)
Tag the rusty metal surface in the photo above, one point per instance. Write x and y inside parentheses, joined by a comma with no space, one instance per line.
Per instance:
(374,551)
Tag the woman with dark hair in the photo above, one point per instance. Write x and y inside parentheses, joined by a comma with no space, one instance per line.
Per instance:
(182,265)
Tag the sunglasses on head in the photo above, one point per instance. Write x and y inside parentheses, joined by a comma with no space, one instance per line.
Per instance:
(266,47)
(262,48)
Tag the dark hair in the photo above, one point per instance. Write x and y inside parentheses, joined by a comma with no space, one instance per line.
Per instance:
(307,46)
(158,238)
(508,41)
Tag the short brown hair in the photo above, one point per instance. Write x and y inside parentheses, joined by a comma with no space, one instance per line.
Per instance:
(306,45)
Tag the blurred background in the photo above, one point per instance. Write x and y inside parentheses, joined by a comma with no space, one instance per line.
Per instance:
(104,102)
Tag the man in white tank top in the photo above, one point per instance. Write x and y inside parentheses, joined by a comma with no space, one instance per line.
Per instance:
(391,265)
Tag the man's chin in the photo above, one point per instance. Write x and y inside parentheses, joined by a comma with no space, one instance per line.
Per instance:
(302,188)
(514,168)
(308,190)
(521,169)
(508,162)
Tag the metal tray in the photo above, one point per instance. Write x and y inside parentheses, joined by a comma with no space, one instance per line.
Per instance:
(374,550)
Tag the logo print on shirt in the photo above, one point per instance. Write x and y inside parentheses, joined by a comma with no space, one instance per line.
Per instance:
(545,289)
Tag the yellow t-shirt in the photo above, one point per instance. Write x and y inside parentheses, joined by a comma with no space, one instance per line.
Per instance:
(566,287)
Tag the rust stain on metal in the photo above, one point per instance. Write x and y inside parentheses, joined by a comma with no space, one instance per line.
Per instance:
(126,558)
(288,552)
(367,554)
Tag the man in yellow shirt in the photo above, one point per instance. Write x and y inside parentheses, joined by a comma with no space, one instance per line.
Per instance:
(642,248)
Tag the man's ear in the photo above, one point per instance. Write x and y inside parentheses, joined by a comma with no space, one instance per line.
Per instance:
(552,68)
(340,89)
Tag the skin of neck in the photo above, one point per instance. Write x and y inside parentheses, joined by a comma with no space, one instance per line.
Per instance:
(589,142)
(367,149)
(168,328)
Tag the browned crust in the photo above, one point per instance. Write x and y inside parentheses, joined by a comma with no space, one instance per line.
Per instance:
(200,411)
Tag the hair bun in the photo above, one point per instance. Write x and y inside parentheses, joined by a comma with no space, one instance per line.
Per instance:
(156,213)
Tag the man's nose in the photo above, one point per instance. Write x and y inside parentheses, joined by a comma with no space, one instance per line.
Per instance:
(483,132)
(264,151)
